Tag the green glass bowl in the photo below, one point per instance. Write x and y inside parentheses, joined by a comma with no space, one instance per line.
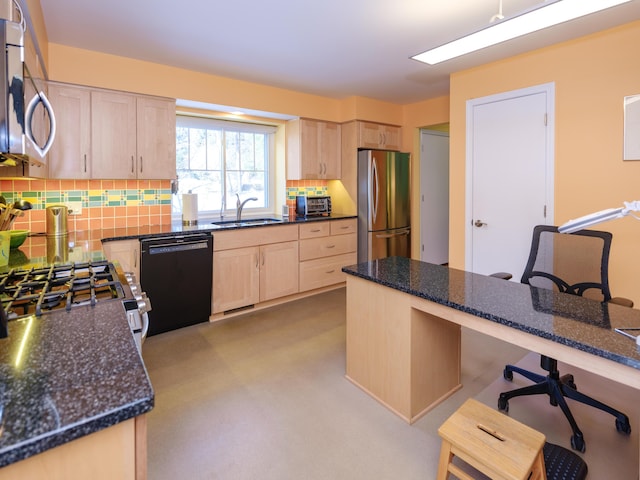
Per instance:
(18,237)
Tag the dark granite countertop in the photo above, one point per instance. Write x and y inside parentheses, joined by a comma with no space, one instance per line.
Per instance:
(206,226)
(574,321)
(67,374)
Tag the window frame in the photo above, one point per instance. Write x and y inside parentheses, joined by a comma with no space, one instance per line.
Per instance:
(229,212)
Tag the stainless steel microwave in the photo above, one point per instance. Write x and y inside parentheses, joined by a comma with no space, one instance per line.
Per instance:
(27,123)
(313,206)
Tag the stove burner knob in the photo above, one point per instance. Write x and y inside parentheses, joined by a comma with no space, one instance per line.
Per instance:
(144,304)
(130,276)
(136,289)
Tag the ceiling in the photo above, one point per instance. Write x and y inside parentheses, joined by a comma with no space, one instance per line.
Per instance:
(332,48)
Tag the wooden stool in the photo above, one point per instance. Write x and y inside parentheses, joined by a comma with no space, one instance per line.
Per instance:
(491,442)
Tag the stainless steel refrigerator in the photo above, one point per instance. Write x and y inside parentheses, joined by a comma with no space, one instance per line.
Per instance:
(384,217)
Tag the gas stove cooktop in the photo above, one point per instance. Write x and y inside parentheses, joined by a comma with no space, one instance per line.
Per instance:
(38,291)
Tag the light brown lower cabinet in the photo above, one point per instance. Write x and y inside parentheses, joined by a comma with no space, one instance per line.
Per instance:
(236,278)
(118,452)
(324,271)
(254,265)
(324,249)
(278,270)
(262,266)
(126,253)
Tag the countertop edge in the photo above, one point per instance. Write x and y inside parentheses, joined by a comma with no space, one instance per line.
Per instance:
(176,228)
(630,362)
(47,441)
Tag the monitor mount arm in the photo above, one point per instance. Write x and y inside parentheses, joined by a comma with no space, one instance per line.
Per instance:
(599,217)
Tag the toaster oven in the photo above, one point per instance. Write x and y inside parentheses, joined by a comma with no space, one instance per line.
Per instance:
(313,206)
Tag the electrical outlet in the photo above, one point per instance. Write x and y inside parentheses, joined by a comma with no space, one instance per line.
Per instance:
(75,208)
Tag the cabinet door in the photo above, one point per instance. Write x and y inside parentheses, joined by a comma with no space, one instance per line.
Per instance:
(113,135)
(391,137)
(69,155)
(278,270)
(313,150)
(329,150)
(309,148)
(126,253)
(236,278)
(369,135)
(375,135)
(156,138)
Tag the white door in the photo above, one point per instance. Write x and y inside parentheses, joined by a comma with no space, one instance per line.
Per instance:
(509,177)
(434,197)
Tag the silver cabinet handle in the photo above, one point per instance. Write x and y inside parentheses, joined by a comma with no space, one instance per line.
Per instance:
(140,163)
(133,160)
(85,163)
(479,223)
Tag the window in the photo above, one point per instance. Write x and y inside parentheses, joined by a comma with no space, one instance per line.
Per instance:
(218,159)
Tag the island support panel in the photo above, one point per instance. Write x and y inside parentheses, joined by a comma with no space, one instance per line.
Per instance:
(407,359)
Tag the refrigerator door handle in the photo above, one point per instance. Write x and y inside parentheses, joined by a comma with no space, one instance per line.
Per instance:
(391,235)
(373,181)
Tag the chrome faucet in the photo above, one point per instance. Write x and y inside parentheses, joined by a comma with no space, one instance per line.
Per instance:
(240,206)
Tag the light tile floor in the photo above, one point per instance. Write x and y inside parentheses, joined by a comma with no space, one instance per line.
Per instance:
(264,396)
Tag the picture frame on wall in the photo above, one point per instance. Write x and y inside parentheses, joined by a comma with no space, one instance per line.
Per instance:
(632,127)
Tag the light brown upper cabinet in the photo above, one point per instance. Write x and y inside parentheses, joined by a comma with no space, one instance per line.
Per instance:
(105,134)
(313,150)
(71,150)
(378,136)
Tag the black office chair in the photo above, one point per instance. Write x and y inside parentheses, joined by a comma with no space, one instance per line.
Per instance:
(577,264)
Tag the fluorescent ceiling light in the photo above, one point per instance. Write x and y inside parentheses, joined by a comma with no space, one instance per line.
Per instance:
(547,15)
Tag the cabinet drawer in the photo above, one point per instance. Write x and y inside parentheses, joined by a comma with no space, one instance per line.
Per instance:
(315,229)
(247,237)
(327,246)
(324,271)
(341,227)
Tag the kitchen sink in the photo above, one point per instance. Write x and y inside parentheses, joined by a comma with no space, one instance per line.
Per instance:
(247,222)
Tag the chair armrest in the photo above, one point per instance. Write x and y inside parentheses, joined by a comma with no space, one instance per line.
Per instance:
(625,302)
(502,275)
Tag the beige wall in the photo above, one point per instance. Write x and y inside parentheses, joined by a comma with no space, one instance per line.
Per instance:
(73,65)
(591,75)
(419,115)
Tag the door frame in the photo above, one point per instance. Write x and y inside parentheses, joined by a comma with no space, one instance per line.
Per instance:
(549,90)
(427,211)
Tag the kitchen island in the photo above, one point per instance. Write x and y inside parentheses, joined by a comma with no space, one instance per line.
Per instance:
(404,319)
(73,389)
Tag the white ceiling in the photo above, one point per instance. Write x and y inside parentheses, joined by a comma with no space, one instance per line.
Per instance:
(333,48)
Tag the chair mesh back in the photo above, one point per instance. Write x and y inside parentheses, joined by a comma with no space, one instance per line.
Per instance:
(574,263)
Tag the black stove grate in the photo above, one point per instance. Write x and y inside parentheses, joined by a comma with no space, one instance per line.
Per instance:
(37,291)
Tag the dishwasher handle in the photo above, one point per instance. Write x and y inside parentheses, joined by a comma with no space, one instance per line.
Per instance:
(173,244)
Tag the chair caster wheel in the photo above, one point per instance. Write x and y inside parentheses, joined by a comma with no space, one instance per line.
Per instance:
(577,443)
(503,404)
(507,374)
(623,426)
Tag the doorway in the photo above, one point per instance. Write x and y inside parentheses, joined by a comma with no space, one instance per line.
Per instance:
(510,165)
(434,195)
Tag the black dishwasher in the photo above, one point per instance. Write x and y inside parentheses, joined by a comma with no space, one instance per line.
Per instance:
(176,273)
